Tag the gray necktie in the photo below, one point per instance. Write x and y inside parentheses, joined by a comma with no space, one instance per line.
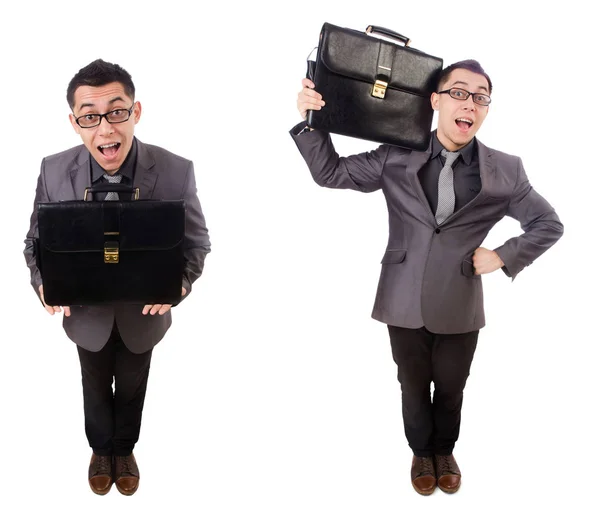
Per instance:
(445,206)
(116,178)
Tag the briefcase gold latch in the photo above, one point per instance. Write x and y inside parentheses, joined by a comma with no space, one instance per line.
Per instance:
(111,253)
(379,89)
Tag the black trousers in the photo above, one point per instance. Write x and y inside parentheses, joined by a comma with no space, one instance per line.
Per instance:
(422,357)
(113,419)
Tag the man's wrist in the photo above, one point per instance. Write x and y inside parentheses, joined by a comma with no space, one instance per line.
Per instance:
(499,260)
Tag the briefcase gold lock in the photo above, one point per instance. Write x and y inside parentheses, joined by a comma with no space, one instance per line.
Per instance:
(111,253)
(379,89)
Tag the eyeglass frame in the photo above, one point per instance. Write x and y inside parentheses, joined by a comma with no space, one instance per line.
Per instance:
(105,115)
(469,94)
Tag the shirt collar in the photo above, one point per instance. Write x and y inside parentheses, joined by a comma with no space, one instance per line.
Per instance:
(467,152)
(126,170)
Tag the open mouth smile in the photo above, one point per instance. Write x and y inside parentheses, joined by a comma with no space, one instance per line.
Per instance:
(464,124)
(109,150)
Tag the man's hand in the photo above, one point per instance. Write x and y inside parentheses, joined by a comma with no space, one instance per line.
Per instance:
(486,261)
(308,98)
(53,309)
(160,309)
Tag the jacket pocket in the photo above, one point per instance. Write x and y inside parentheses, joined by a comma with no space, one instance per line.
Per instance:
(468,268)
(394,256)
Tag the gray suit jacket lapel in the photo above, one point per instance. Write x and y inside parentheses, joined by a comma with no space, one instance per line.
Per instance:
(80,174)
(145,173)
(487,168)
(416,161)
(487,171)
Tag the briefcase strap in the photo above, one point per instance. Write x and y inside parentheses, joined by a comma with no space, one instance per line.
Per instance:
(374,29)
(111,187)
(310,66)
(311,53)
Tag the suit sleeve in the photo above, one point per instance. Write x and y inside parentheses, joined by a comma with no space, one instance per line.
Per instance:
(360,172)
(540,223)
(41,195)
(197,243)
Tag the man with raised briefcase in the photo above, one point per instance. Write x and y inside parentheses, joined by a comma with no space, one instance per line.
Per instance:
(115,340)
(442,202)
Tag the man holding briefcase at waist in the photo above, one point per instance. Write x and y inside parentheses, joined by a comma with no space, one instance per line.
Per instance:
(442,203)
(115,340)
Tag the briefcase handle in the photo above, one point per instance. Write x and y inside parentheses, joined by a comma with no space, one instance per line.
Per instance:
(112,187)
(374,29)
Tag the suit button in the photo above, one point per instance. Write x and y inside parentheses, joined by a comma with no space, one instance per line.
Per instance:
(437,230)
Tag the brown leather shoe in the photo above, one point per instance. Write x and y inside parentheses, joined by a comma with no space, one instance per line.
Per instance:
(127,474)
(422,474)
(448,473)
(100,474)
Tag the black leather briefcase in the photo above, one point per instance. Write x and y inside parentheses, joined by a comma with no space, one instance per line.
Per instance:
(98,252)
(373,89)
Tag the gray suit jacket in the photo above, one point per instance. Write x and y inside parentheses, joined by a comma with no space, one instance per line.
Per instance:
(427,274)
(159,174)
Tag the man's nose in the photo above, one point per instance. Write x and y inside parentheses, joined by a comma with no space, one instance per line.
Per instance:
(105,127)
(468,104)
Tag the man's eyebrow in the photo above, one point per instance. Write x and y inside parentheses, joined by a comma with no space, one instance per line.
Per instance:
(111,101)
(465,84)
(115,99)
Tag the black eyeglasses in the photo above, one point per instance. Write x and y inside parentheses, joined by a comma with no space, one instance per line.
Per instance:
(460,94)
(116,116)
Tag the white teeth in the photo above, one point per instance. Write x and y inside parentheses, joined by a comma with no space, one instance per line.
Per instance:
(108,145)
(470,122)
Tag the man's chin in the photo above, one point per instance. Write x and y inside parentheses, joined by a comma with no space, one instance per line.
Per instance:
(462,138)
(107,164)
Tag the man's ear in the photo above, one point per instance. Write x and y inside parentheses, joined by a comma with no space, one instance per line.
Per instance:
(137,112)
(73,123)
(435,101)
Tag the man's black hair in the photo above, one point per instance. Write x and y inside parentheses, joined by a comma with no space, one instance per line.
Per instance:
(99,73)
(468,64)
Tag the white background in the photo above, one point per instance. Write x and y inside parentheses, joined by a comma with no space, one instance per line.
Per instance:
(274,393)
